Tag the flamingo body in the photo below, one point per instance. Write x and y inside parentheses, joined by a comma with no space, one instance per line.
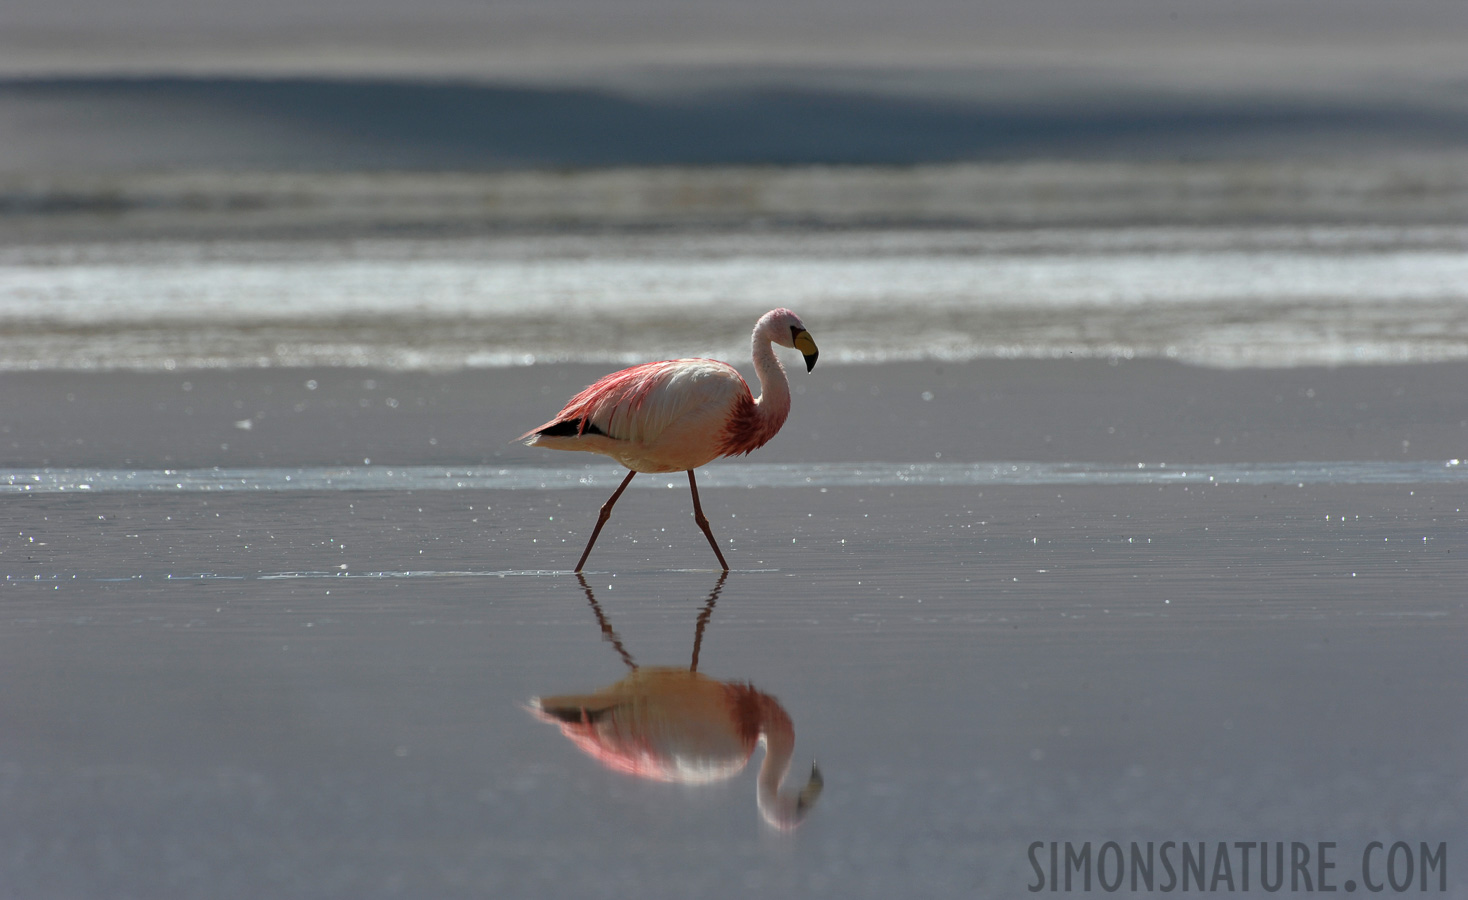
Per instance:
(664,724)
(675,725)
(679,414)
(667,416)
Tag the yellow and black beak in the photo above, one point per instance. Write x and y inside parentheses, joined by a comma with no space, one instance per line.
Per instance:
(806,345)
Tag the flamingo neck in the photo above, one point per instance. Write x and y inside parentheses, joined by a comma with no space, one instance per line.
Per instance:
(783,811)
(773,403)
(778,734)
(753,421)
(760,719)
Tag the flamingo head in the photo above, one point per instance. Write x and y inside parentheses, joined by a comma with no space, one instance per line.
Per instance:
(785,811)
(784,327)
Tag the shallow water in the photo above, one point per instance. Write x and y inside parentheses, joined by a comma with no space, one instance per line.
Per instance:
(324,692)
(268,631)
(749,475)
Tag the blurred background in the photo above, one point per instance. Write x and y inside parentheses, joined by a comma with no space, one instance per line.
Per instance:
(1075,124)
(150,85)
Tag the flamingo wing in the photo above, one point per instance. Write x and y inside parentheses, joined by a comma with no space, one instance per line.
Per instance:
(639,404)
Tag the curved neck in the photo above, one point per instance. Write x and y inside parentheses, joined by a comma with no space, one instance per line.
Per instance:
(773,403)
(754,420)
(778,735)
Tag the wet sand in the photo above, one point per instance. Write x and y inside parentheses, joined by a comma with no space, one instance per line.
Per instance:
(321,693)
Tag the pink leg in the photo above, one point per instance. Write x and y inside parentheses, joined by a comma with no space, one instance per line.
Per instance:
(703,522)
(606,513)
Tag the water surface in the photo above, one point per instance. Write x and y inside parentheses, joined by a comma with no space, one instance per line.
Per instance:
(318,692)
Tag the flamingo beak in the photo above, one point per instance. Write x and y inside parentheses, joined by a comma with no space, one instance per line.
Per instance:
(811,791)
(807,347)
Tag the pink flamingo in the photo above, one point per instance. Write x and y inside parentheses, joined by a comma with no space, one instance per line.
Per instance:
(666,723)
(679,414)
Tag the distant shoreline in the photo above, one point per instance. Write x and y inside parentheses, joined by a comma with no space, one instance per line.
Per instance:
(114,125)
(271,205)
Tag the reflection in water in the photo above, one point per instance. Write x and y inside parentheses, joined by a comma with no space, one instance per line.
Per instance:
(667,723)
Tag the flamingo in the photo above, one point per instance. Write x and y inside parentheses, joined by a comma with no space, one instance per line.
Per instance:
(679,414)
(668,723)
(665,723)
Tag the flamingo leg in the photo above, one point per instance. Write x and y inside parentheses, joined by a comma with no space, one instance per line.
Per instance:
(608,633)
(703,521)
(606,513)
(703,618)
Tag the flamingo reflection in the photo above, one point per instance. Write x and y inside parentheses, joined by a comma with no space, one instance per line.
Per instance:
(667,723)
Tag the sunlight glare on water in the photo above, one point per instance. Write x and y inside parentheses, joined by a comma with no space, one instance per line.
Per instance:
(1218,296)
(747,475)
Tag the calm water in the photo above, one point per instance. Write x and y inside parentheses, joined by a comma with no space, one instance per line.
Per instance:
(324,693)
